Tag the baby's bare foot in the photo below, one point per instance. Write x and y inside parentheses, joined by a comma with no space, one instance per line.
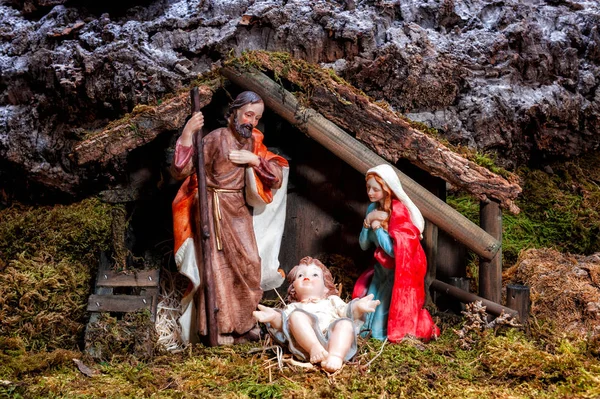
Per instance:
(318,354)
(332,363)
(224,339)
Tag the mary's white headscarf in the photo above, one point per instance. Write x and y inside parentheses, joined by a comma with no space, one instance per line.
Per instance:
(389,176)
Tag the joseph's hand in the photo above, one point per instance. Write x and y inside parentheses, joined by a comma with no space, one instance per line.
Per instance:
(194,124)
(242,157)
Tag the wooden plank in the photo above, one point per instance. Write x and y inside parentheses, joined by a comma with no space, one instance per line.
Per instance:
(153,293)
(490,270)
(430,240)
(95,316)
(118,303)
(437,187)
(361,158)
(143,278)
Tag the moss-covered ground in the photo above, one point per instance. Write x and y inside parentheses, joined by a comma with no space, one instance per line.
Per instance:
(502,364)
(47,257)
(52,251)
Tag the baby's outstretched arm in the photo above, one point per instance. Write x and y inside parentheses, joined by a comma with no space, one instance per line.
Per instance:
(268,315)
(364,305)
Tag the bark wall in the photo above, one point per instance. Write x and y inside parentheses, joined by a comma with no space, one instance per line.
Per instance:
(517,77)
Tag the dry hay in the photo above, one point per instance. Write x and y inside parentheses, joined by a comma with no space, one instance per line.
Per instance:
(564,288)
(168,313)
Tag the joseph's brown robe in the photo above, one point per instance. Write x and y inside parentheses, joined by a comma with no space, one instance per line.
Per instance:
(236,266)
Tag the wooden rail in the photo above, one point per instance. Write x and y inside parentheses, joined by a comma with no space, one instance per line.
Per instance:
(466,297)
(361,158)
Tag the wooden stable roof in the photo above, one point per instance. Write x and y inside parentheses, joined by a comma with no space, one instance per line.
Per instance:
(382,130)
(140,127)
(379,135)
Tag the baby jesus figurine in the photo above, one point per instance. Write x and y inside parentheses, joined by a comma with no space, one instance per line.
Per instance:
(317,325)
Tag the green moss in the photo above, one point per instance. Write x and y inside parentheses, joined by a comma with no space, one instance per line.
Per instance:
(213,80)
(488,161)
(503,364)
(49,254)
(75,231)
(109,337)
(16,361)
(559,210)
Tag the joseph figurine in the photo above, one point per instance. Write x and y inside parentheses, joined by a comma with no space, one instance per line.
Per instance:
(242,176)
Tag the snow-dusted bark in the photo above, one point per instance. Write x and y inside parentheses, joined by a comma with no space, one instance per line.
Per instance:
(517,77)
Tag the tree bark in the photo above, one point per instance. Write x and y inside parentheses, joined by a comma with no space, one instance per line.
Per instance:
(138,129)
(518,79)
(388,134)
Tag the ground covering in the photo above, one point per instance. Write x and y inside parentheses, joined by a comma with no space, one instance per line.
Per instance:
(503,363)
(541,362)
(47,257)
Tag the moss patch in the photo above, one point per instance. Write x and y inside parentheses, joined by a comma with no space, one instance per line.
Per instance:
(74,231)
(48,256)
(492,369)
(560,210)
(134,334)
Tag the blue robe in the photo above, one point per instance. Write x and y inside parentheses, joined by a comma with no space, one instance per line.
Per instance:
(383,280)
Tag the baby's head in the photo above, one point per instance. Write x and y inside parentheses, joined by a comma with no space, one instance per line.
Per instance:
(310,279)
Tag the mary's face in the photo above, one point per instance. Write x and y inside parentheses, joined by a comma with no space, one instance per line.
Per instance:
(374,190)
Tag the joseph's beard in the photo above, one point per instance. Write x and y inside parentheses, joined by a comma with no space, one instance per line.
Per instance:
(244,130)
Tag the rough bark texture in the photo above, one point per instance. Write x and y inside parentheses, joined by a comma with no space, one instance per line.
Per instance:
(138,129)
(379,128)
(393,138)
(519,78)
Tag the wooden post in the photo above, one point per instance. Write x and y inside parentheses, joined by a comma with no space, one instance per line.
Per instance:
(437,187)
(430,245)
(202,236)
(517,298)
(466,297)
(490,270)
(362,158)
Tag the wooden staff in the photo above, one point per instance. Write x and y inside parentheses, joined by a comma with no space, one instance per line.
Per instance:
(202,240)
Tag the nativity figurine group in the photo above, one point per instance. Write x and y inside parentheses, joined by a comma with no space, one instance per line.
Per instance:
(246,187)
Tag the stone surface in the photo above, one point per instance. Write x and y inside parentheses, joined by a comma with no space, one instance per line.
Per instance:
(519,78)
